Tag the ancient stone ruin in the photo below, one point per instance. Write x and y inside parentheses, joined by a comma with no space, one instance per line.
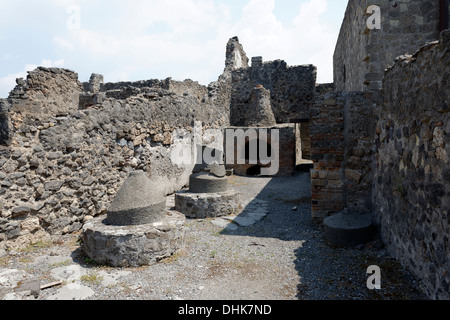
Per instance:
(138,230)
(209,194)
(377,140)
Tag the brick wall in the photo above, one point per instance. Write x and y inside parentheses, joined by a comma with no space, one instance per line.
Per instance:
(341,129)
(327,153)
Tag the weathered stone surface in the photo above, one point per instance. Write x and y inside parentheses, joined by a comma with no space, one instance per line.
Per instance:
(206,205)
(259,112)
(53,185)
(292,89)
(225,224)
(72,292)
(217,170)
(411,186)
(68,152)
(18,285)
(132,246)
(203,182)
(282,151)
(139,201)
(347,229)
(374,50)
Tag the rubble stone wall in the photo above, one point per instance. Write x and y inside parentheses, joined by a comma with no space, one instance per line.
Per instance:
(292,89)
(362,54)
(67,151)
(412,172)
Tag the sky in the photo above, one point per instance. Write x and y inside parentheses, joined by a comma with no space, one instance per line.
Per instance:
(152,39)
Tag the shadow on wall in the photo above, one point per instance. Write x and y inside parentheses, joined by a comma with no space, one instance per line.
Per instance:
(4,129)
(5,123)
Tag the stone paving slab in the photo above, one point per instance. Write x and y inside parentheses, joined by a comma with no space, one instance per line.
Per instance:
(252,213)
(72,292)
(222,223)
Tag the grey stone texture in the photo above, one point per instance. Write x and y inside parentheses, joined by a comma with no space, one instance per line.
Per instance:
(46,92)
(209,195)
(67,147)
(5,122)
(74,157)
(133,246)
(204,182)
(362,55)
(291,89)
(217,170)
(348,229)
(207,205)
(139,201)
(236,57)
(259,111)
(411,180)
(18,285)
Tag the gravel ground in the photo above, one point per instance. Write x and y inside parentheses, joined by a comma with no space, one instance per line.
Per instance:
(281,257)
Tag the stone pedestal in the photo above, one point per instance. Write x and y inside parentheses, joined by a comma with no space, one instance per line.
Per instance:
(133,246)
(208,196)
(206,205)
(138,230)
(347,229)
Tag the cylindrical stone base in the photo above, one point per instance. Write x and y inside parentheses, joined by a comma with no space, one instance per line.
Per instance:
(133,246)
(205,183)
(207,205)
(348,230)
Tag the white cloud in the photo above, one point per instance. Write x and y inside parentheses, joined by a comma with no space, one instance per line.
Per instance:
(140,39)
(309,40)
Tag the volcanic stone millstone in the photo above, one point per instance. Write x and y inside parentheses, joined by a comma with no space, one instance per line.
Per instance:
(134,246)
(137,202)
(348,229)
(203,182)
(207,205)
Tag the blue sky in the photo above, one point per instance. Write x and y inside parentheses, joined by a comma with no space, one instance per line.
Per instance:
(148,39)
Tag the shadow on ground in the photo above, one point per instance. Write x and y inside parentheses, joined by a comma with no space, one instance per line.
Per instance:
(326,272)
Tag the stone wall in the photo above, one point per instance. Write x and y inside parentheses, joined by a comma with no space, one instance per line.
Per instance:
(341,148)
(412,175)
(5,122)
(46,92)
(292,89)
(69,150)
(362,55)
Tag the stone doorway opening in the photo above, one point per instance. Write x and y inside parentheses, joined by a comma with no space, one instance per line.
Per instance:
(265,153)
(254,171)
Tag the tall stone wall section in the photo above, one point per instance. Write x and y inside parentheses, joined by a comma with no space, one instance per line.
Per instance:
(362,54)
(70,145)
(292,90)
(412,171)
(341,129)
